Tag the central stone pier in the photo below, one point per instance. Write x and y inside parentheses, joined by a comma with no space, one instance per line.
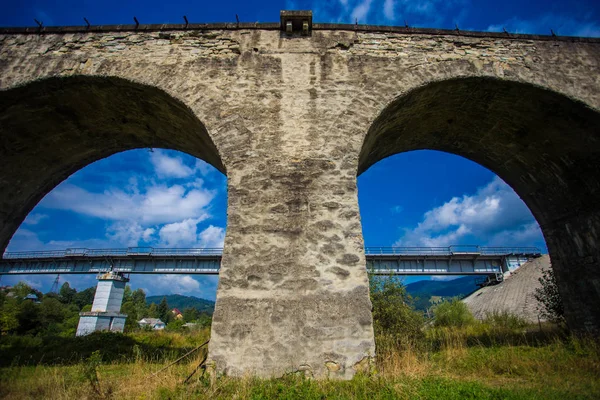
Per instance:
(293,289)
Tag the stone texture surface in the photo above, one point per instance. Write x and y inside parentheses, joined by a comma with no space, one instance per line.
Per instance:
(514,295)
(291,121)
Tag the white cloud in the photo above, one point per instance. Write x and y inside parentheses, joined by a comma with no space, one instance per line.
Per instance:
(181,284)
(159,204)
(179,234)
(200,286)
(34,218)
(128,233)
(528,233)
(213,236)
(147,234)
(494,215)
(388,9)
(184,234)
(560,24)
(204,168)
(361,11)
(25,240)
(169,166)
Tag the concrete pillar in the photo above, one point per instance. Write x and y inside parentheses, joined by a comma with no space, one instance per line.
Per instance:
(105,314)
(293,290)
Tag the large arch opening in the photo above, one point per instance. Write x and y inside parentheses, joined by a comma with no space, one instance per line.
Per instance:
(51,128)
(143,198)
(430,202)
(546,146)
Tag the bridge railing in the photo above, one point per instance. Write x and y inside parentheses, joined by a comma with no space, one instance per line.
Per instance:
(131,251)
(450,250)
(217,251)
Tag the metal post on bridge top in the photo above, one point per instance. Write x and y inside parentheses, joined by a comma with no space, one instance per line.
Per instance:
(106,310)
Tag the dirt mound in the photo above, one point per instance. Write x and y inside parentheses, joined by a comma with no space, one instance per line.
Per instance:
(514,295)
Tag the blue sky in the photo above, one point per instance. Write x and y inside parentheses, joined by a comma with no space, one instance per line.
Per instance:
(164,198)
(577,17)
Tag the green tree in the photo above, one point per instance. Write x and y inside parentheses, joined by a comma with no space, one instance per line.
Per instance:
(152,311)
(393,315)
(176,325)
(9,316)
(204,321)
(21,290)
(163,310)
(84,297)
(29,318)
(139,297)
(130,309)
(550,304)
(67,294)
(190,314)
(452,313)
(127,293)
(52,311)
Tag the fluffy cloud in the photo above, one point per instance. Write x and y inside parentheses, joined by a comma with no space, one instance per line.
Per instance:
(131,199)
(200,286)
(180,234)
(184,234)
(158,205)
(494,215)
(34,218)
(388,9)
(361,11)
(166,284)
(213,236)
(169,166)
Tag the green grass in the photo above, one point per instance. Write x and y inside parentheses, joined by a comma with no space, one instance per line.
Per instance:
(448,363)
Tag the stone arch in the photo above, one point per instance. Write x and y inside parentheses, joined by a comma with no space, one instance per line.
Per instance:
(51,128)
(545,145)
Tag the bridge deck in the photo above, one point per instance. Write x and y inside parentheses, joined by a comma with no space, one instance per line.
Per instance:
(453,260)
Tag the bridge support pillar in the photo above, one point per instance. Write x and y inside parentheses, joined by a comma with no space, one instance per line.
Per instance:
(575,256)
(293,292)
(105,314)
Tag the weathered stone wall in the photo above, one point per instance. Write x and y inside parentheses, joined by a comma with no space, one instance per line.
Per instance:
(288,118)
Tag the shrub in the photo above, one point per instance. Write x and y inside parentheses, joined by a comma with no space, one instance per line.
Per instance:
(505,320)
(453,313)
(550,303)
(393,315)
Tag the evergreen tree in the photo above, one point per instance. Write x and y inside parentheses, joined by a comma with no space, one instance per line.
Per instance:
(67,294)
(153,311)
(163,310)
(127,294)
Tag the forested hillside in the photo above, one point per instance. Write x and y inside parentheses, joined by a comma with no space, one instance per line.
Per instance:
(183,302)
(422,291)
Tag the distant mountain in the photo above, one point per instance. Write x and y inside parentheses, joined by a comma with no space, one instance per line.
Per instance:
(423,290)
(180,302)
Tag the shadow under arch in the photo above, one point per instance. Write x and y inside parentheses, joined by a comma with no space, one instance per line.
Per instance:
(51,128)
(545,145)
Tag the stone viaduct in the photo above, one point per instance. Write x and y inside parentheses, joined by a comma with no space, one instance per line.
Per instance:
(292,120)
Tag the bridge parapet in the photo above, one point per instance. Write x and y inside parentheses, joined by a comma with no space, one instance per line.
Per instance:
(217,251)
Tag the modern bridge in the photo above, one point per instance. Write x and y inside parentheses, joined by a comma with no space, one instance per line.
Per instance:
(453,260)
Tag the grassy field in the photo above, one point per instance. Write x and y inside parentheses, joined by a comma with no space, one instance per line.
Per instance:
(478,361)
